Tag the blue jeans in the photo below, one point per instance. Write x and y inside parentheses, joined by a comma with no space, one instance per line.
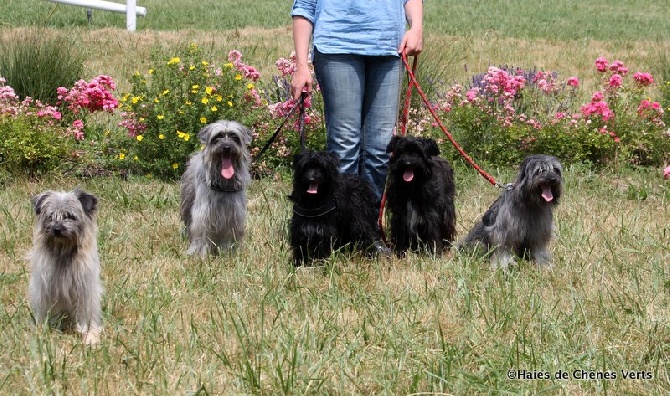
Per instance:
(360,97)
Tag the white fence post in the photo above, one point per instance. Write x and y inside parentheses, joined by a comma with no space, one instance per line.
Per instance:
(131,16)
(131,9)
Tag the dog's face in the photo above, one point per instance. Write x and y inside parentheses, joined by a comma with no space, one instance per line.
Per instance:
(314,174)
(62,217)
(226,149)
(412,158)
(540,179)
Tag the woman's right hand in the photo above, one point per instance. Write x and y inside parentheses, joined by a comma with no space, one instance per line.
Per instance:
(301,80)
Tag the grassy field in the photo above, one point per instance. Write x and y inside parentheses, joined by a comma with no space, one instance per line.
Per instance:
(250,323)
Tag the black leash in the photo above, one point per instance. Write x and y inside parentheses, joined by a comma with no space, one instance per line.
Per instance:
(301,125)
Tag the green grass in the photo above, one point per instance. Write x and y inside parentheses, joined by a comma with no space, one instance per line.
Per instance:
(250,323)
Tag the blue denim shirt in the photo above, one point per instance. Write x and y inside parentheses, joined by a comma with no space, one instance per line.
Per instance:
(360,27)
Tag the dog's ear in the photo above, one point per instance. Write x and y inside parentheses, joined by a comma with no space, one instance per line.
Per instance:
(203,134)
(38,200)
(296,159)
(334,159)
(430,146)
(392,144)
(245,133)
(89,202)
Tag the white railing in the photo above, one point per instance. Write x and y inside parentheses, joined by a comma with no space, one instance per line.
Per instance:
(131,9)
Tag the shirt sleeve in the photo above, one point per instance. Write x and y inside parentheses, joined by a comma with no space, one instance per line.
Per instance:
(305,9)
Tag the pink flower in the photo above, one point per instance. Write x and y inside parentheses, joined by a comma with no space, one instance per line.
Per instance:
(618,67)
(597,96)
(573,82)
(615,81)
(471,95)
(643,79)
(601,64)
(666,173)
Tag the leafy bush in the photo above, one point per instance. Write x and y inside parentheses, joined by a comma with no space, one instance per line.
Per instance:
(31,147)
(37,137)
(277,94)
(508,113)
(166,108)
(38,62)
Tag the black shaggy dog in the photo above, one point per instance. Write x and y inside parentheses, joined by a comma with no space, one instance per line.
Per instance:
(420,196)
(330,210)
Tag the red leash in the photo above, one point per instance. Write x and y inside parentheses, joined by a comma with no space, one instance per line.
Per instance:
(411,74)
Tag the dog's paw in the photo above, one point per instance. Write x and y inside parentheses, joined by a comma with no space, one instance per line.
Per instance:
(92,336)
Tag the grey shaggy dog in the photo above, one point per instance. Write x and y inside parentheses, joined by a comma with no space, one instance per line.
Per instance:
(520,221)
(64,288)
(213,189)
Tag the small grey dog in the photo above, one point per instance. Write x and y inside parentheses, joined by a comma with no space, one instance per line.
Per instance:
(64,287)
(213,189)
(520,221)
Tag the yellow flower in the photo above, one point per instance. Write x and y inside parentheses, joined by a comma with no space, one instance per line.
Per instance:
(203,120)
(122,156)
(187,137)
(135,99)
(229,65)
(205,63)
(139,138)
(188,103)
(204,100)
(151,71)
(191,67)
(195,87)
(156,100)
(160,116)
(238,77)
(175,166)
(180,134)
(230,104)
(214,109)
(141,119)
(219,98)
(135,158)
(250,86)
(167,91)
(174,61)
(209,90)
(161,136)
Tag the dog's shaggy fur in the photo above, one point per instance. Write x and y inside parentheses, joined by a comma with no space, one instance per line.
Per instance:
(213,189)
(420,196)
(520,221)
(330,210)
(64,288)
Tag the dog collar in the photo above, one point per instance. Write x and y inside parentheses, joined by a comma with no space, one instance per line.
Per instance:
(221,189)
(316,212)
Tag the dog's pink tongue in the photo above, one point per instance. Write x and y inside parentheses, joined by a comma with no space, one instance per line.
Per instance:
(408,175)
(227,170)
(313,188)
(546,193)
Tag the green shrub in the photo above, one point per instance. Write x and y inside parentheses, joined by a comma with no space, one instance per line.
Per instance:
(178,96)
(31,147)
(39,61)
(508,113)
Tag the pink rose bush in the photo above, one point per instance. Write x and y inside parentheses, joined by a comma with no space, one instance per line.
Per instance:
(506,113)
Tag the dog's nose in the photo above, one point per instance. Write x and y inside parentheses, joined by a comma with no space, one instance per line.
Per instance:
(57,230)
